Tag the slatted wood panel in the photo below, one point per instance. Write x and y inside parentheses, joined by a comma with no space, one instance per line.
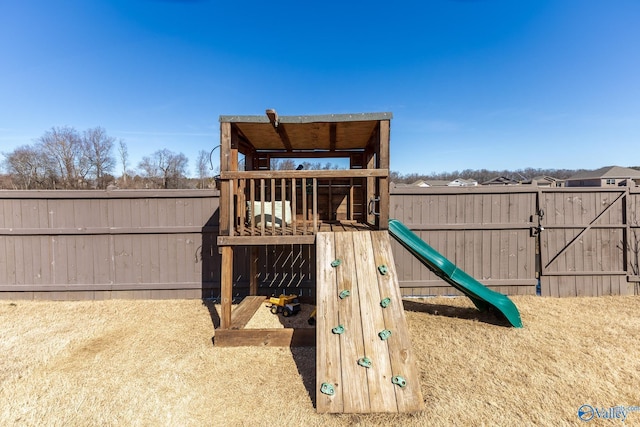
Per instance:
(349,134)
(358,389)
(484,231)
(582,244)
(97,244)
(328,362)
(288,230)
(268,205)
(163,244)
(633,240)
(408,398)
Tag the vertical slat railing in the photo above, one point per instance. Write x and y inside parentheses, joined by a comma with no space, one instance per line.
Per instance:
(262,199)
(284,205)
(241,206)
(294,204)
(305,210)
(252,204)
(273,206)
(230,204)
(315,205)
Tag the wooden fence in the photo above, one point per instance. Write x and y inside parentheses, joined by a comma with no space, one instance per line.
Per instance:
(574,241)
(162,244)
(485,231)
(106,244)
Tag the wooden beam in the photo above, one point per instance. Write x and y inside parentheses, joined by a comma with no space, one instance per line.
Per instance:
(277,337)
(266,240)
(302,154)
(370,157)
(225,146)
(373,139)
(284,137)
(383,183)
(273,117)
(280,129)
(332,136)
(245,311)
(225,162)
(320,174)
(243,140)
(226,286)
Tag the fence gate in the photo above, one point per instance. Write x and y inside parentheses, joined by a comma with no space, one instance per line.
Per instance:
(583,241)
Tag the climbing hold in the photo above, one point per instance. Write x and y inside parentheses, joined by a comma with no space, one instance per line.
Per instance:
(336,262)
(327,389)
(385,334)
(344,294)
(383,269)
(338,330)
(385,302)
(399,381)
(364,362)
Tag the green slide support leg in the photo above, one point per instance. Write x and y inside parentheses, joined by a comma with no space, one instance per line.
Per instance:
(483,298)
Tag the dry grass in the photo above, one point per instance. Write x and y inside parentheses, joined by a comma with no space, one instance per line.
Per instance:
(153,363)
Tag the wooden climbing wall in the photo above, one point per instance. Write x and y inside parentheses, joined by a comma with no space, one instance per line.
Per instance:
(390,383)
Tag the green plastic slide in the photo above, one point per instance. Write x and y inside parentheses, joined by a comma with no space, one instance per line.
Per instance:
(483,297)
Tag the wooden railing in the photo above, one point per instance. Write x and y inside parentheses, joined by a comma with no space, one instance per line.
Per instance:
(293,203)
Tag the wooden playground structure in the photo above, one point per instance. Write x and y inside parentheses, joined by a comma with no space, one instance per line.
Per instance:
(364,361)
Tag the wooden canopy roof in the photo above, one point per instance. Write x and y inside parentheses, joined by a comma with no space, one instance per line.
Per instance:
(330,132)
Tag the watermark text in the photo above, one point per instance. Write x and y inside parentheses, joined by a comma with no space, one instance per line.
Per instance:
(618,412)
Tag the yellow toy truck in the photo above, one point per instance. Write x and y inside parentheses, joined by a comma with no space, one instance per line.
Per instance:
(288,305)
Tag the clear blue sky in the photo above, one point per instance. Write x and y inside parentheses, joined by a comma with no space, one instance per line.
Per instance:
(495,84)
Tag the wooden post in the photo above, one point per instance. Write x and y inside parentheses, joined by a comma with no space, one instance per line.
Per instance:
(225,153)
(370,190)
(226,286)
(383,163)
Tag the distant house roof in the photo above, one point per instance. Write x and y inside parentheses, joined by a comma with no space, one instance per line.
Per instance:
(459,182)
(612,172)
(429,183)
(545,180)
(421,183)
(438,183)
(501,180)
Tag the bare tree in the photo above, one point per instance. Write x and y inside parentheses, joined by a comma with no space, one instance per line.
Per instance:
(123,153)
(29,168)
(68,151)
(165,167)
(149,169)
(311,166)
(282,164)
(202,167)
(99,147)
